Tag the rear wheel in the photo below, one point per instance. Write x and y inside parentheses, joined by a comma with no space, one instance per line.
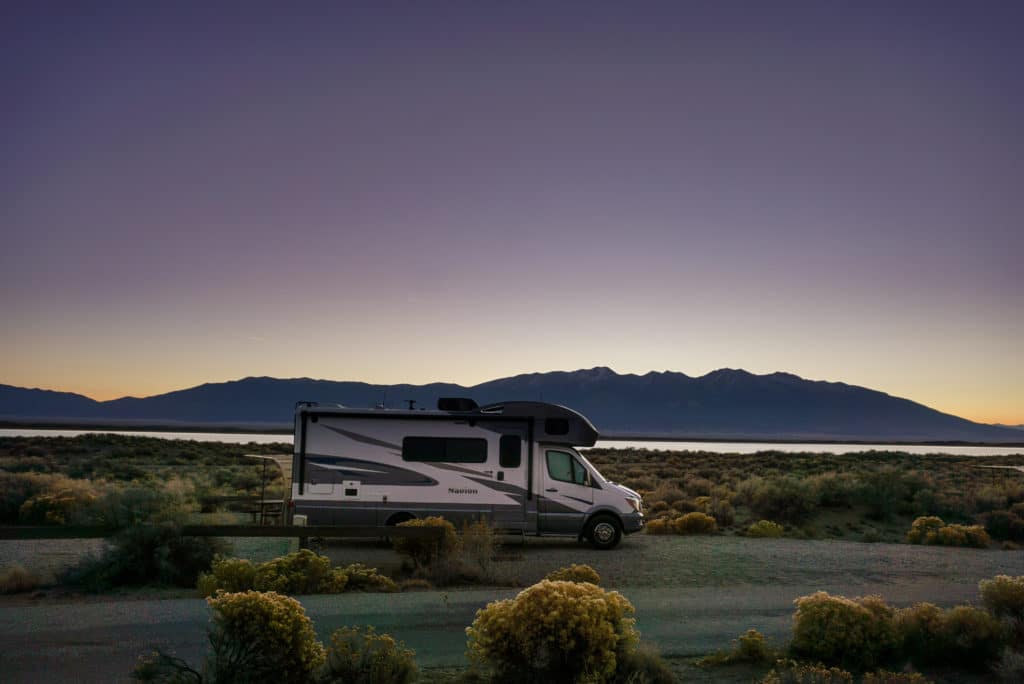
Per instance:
(399,518)
(604,531)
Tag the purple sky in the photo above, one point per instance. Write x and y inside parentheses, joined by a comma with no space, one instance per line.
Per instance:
(461,191)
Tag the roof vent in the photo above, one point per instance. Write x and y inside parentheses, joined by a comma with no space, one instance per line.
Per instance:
(458,404)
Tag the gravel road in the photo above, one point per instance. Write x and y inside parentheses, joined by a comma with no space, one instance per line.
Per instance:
(692,595)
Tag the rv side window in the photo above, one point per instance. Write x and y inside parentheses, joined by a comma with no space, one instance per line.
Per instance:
(445,449)
(564,468)
(556,426)
(509,451)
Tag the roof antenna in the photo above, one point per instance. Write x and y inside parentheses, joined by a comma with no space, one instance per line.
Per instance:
(412,402)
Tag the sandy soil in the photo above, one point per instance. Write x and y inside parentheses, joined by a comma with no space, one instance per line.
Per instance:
(692,595)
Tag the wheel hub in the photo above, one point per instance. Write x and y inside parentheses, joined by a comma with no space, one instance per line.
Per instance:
(604,532)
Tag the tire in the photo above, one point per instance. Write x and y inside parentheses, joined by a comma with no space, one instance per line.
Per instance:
(604,532)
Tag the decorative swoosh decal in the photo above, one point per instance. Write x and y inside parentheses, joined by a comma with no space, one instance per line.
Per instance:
(370,472)
(363,438)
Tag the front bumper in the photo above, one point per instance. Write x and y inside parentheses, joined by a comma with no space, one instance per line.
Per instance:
(632,522)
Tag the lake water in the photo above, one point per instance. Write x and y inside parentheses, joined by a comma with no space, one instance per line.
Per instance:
(717,447)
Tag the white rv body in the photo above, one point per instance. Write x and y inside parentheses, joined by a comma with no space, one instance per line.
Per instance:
(512,464)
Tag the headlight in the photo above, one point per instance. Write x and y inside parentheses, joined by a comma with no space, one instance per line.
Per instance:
(635,504)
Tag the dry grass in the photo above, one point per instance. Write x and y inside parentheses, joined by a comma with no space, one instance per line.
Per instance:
(16,579)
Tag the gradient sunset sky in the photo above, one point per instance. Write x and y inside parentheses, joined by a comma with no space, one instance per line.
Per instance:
(424,191)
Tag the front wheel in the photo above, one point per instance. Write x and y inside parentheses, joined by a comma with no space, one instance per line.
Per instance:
(604,532)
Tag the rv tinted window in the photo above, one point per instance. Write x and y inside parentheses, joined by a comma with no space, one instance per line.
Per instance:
(556,426)
(565,468)
(509,456)
(444,449)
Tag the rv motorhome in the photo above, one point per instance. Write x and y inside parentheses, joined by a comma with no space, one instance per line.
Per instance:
(513,464)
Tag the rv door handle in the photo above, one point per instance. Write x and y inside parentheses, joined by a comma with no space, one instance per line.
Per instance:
(550,489)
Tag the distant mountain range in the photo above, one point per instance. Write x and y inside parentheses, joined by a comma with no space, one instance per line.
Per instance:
(724,404)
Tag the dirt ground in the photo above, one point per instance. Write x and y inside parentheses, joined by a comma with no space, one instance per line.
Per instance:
(693,595)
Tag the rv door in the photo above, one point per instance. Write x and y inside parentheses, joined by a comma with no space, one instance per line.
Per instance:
(566,493)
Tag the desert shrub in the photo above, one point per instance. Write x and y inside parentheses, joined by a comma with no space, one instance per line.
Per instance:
(272,632)
(960,535)
(1010,667)
(886,677)
(721,510)
(479,546)
(668,492)
(147,554)
(15,579)
(1004,525)
(642,666)
(360,577)
(792,672)
(882,491)
(694,523)
(788,499)
(834,490)
(227,574)
(856,634)
(1004,596)
(355,657)
(697,486)
(973,637)
(922,527)
(125,507)
(64,500)
(15,490)
(425,551)
(302,572)
(750,647)
(919,629)
(658,526)
(658,507)
(765,528)
(963,636)
(554,631)
(574,573)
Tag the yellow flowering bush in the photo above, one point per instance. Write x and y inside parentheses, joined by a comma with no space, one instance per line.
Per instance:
(356,657)
(765,528)
(852,633)
(555,631)
(575,573)
(303,572)
(919,629)
(1003,596)
(658,526)
(272,627)
(792,672)
(933,531)
(361,577)
(960,535)
(886,677)
(963,636)
(694,523)
(923,527)
(227,574)
(423,552)
(972,637)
